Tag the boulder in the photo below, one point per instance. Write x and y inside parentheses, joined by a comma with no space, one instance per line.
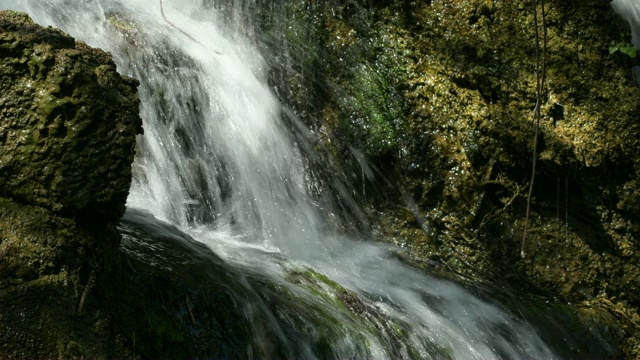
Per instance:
(68,122)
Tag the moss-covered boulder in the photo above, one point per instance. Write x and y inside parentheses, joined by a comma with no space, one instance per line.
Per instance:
(67,120)
(68,123)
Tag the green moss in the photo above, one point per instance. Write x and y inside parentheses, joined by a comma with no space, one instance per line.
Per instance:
(339,308)
(301,30)
(313,277)
(623,47)
(71,90)
(374,112)
(15,16)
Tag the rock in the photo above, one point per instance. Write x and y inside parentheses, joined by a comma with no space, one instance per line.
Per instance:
(68,122)
(439,95)
(50,301)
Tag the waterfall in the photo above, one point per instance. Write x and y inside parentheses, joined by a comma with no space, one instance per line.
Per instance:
(217,162)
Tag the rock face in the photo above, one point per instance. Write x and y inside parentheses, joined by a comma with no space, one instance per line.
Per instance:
(439,97)
(67,120)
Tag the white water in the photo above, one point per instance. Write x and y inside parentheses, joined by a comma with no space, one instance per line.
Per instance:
(217,162)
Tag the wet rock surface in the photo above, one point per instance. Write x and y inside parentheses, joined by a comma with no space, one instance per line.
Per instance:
(47,289)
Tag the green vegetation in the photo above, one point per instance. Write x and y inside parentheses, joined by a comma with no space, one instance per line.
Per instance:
(623,47)
(373,111)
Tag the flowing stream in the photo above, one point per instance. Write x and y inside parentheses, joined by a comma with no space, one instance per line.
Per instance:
(217,163)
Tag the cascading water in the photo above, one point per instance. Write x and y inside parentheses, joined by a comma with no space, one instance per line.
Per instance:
(217,162)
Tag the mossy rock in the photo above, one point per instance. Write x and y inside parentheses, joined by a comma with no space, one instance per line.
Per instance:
(68,122)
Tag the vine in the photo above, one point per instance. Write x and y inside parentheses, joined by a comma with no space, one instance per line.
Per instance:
(541,57)
(177,28)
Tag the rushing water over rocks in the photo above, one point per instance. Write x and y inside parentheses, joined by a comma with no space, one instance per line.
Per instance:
(217,165)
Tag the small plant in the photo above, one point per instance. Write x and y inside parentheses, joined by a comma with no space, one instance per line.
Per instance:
(624,47)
